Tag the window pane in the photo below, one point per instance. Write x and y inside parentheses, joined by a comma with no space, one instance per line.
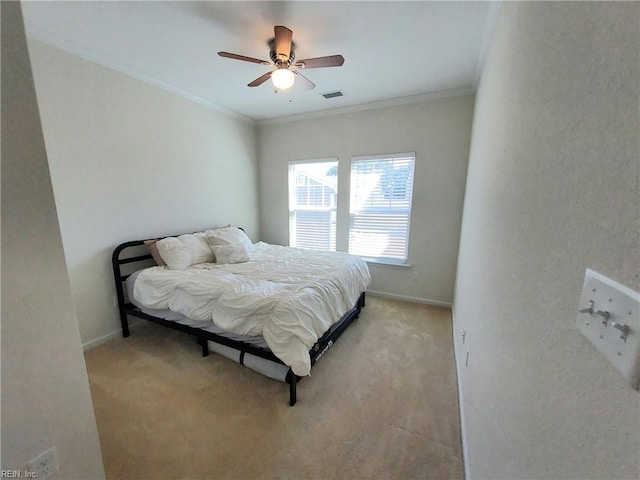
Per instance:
(312,204)
(380,207)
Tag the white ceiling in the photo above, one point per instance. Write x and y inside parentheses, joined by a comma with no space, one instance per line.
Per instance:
(391,49)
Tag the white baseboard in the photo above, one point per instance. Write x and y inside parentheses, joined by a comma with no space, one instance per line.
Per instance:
(435,303)
(110,336)
(463,430)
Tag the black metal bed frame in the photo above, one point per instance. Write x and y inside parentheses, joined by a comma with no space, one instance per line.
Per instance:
(126,308)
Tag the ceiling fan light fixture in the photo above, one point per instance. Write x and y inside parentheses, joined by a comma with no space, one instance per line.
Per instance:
(282,78)
(283,56)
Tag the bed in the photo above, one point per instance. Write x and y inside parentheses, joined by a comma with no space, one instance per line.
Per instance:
(271,308)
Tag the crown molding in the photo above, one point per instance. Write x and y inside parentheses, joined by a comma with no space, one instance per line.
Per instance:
(391,102)
(42,35)
(49,38)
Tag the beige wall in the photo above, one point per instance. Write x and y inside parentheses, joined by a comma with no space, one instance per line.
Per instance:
(45,392)
(437,130)
(552,189)
(131,161)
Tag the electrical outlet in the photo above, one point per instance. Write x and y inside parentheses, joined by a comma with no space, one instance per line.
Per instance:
(46,464)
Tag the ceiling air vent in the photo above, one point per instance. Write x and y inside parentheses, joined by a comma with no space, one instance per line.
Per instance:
(335,94)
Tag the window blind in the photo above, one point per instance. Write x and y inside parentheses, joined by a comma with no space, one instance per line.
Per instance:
(380,206)
(312,204)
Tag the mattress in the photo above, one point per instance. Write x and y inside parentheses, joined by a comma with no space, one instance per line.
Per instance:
(284,296)
(172,316)
(276,371)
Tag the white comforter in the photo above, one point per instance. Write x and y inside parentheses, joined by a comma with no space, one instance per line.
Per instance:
(289,296)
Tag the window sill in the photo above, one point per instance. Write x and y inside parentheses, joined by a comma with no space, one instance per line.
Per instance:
(390,264)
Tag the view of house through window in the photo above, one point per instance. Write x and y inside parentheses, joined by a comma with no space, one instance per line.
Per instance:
(313,192)
(380,206)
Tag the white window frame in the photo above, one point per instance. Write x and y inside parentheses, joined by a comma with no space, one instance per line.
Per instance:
(292,189)
(404,261)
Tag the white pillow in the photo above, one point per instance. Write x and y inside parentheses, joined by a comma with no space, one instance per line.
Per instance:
(228,236)
(174,253)
(183,251)
(198,247)
(236,253)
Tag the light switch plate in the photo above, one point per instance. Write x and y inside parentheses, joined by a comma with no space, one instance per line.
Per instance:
(608,310)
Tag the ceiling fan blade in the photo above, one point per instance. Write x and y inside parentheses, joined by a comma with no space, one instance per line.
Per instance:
(319,62)
(260,80)
(235,56)
(306,83)
(283,42)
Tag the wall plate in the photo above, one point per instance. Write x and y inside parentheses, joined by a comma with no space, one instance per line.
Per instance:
(609,317)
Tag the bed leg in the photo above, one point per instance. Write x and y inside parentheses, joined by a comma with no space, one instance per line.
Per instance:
(124,322)
(362,301)
(292,388)
(205,346)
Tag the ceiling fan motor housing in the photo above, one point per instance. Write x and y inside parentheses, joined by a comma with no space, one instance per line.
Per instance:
(282,60)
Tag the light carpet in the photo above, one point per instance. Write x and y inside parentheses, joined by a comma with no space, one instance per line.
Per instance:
(382,403)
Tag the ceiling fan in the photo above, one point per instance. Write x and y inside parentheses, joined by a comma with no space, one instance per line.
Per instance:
(282,53)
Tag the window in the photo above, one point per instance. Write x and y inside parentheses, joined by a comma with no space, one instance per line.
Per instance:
(313,192)
(380,206)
